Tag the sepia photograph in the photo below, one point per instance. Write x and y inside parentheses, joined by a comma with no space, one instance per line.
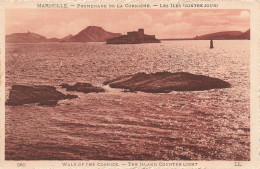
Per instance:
(127,84)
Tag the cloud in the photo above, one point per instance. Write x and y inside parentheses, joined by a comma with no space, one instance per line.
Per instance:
(162,23)
(173,15)
(62,29)
(171,30)
(207,13)
(129,23)
(140,18)
(244,14)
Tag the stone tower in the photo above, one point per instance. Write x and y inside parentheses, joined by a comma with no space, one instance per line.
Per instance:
(141,33)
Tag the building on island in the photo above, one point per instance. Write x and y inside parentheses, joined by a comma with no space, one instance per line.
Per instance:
(134,37)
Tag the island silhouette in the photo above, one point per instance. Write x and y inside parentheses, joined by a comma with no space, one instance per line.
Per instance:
(98,34)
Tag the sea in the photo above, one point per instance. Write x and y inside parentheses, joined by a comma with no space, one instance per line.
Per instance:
(115,125)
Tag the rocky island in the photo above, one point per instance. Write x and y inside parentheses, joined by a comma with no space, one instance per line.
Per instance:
(226,35)
(92,34)
(28,37)
(135,37)
(82,87)
(44,95)
(165,82)
(89,34)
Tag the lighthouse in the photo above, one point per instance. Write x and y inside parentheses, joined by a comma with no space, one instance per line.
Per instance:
(211,44)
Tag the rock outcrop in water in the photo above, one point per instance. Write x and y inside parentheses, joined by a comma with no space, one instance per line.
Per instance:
(165,82)
(82,87)
(48,103)
(45,95)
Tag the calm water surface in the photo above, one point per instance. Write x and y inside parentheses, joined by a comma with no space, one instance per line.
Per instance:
(204,125)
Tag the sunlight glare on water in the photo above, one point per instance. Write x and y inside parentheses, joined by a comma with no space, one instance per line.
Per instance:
(204,125)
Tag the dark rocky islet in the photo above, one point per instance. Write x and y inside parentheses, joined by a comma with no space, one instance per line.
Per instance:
(165,82)
(45,95)
(48,103)
(160,82)
(82,87)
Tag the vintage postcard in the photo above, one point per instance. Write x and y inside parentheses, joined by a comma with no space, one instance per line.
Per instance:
(167,84)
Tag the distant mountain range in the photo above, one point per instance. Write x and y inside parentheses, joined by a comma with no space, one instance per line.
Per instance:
(227,35)
(89,34)
(98,34)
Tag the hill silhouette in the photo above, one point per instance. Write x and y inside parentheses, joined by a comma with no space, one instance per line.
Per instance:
(66,38)
(245,35)
(227,35)
(98,34)
(93,34)
(89,34)
(25,38)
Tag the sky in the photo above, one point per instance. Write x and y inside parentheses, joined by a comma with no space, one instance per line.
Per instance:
(163,23)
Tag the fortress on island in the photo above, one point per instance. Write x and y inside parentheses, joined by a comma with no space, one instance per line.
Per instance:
(135,37)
